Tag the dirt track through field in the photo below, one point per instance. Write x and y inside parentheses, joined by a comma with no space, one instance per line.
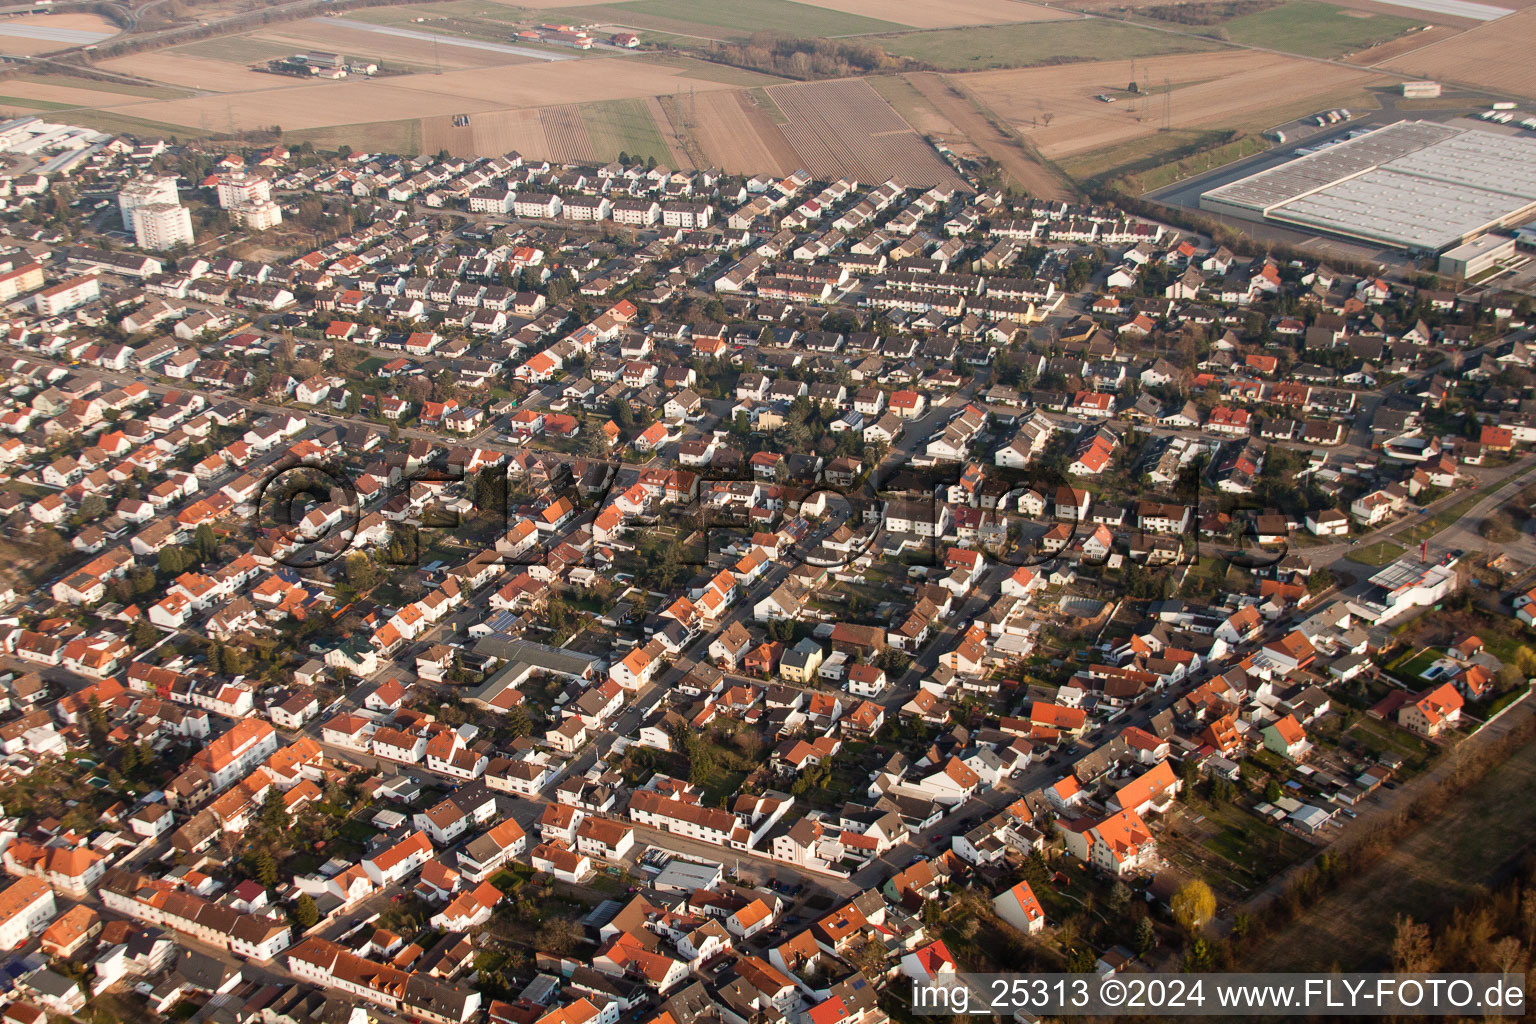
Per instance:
(950,101)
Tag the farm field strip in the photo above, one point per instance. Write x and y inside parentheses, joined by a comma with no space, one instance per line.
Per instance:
(732,132)
(260,100)
(726,19)
(944,13)
(1056,109)
(844,128)
(489,133)
(1494,56)
(953,103)
(569,141)
(1058,43)
(625,126)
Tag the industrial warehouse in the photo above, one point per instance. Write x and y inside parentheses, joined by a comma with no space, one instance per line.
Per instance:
(1414,185)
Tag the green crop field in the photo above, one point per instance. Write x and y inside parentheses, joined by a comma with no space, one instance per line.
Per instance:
(239,49)
(425,14)
(1026,45)
(624,126)
(106,85)
(1316,29)
(730,18)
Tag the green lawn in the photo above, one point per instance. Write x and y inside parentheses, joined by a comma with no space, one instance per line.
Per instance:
(1316,29)
(409,13)
(730,18)
(125,124)
(693,67)
(624,126)
(240,49)
(1383,737)
(1377,554)
(35,104)
(100,85)
(1411,670)
(1013,46)
(1161,159)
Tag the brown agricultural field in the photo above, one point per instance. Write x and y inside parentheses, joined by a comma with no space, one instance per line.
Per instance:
(677,145)
(189,72)
(1496,55)
(734,134)
(844,128)
(943,13)
(1405,44)
(488,134)
(1055,109)
(991,140)
(296,103)
(51,92)
(569,142)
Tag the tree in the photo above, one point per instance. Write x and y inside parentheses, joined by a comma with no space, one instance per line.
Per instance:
(266,868)
(1198,957)
(92,507)
(207,544)
(143,634)
(1413,951)
(1193,905)
(517,721)
(173,560)
(305,912)
(97,717)
(1272,791)
(1119,898)
(361,574)
(1146,936)
(274,815)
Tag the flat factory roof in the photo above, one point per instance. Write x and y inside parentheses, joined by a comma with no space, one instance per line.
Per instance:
(1413,185)
(1266,189)
(1400,209)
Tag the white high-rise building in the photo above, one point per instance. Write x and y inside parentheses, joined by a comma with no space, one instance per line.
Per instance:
(242,189)
(143,192)
(248,199)
(257,216)
(162,225)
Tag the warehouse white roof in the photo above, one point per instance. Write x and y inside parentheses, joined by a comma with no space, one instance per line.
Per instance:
(1399,209)
(1412,184)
